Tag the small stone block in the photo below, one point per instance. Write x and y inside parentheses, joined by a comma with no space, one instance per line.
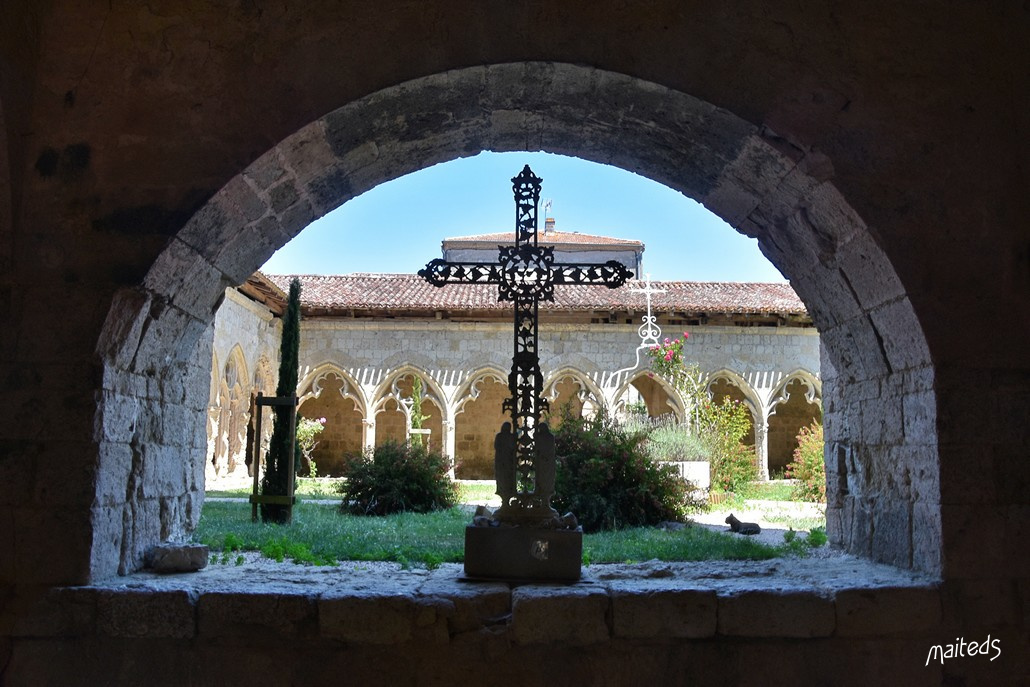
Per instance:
(643,614)
(877,612)
(776,613)
(383,618)
(177,558)
(146,614)
(573,615)
(523,553)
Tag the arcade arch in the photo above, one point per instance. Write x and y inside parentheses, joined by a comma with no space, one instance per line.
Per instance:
(755,181)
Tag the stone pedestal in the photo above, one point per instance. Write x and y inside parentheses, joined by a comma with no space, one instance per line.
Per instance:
(523,553)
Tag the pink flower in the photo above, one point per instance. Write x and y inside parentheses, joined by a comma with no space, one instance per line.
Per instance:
(668,356)
(686,336)
(666,339)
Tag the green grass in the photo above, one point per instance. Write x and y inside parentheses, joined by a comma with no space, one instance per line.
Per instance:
(689,544)
(476,492)
(770,491)
(322,535)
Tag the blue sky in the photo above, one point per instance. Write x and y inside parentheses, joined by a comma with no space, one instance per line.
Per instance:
(398,226)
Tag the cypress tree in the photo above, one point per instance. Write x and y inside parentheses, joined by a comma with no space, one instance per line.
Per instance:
(276,478)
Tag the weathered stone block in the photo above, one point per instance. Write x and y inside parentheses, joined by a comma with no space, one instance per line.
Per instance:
(380,617)
(650,613)
(885,611)
(176,558)
(476,604)
(573,615)
(254,615)
(920,417)
(776,613)
(903,339)
(892,532)
(146,613)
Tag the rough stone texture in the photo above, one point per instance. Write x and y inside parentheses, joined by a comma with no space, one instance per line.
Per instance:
(175,558)
(572,616)
(673,613)
(786,613)
(146,614)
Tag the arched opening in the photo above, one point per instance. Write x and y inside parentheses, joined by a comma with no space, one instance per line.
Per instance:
(795,406)
(331,394)
(723,387)
(570,391)
(802,224)
(394,409)
(478,407)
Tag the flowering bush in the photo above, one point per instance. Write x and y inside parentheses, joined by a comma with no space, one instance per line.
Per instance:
(307,439)
(719,427)
(667,357)
(808,466)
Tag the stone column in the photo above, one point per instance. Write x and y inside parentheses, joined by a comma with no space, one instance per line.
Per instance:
(447,428)
(762,444)
(368,434)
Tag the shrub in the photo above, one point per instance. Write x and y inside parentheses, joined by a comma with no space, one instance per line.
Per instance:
(606,477)
(808,466)
(723,427)
(398,477)
(734,468)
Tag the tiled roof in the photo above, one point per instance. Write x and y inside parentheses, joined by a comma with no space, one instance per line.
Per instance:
(550,238)
(410,292)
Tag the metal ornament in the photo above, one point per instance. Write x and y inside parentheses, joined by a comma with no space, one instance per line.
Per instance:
(649,331)
(525,274)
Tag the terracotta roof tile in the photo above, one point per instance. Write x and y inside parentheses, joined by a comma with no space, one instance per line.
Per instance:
(362,291)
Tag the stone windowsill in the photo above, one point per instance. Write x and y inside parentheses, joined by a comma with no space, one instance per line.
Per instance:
(380,603)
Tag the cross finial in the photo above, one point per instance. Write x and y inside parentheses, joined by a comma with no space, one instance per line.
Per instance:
(649,331)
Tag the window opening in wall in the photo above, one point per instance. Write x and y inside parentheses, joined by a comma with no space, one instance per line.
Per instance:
(358,378)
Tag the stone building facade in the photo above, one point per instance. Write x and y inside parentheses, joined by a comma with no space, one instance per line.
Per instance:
(365,337)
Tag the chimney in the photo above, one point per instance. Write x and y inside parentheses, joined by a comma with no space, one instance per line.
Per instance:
(548,226)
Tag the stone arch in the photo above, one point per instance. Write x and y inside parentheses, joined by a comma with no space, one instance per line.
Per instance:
(328,391)
(313,384)
(727,384)
(571,385)
(477,418)
(764,186)
(657,393)
(391,413)
(795,403)
(750,396)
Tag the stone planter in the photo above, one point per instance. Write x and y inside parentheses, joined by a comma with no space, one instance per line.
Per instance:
(422,434)
(697,472)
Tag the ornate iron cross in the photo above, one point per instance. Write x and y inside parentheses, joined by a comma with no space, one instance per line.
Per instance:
(526,274)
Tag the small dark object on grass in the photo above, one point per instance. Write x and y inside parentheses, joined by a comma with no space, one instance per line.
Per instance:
(742,527)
